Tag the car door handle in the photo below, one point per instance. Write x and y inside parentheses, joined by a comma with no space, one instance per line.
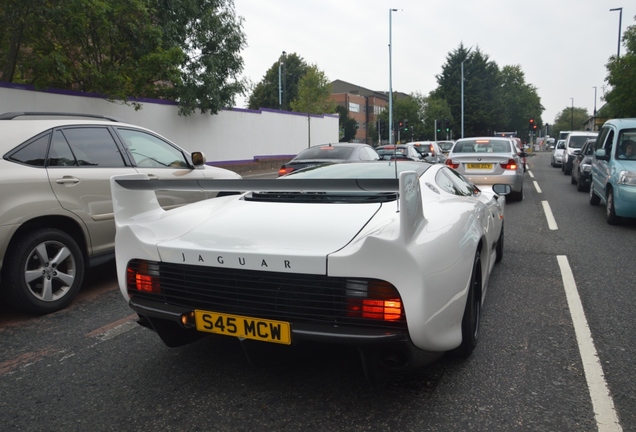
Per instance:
(152,177)
(67,180)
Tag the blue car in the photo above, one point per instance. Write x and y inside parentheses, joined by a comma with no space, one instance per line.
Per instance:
(614,170)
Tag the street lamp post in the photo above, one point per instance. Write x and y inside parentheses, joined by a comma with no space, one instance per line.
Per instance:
(391,79)
(572,115)
(620,22)
(463,98)
(280,88)
(594,118)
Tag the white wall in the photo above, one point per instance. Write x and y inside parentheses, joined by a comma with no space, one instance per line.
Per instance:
(237,135)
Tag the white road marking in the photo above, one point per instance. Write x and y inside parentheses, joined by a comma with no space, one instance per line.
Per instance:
(549,216)
(602,403)
(536,186)
(116,331)
(530,174)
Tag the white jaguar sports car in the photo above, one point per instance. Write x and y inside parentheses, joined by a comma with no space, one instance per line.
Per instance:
(392,258)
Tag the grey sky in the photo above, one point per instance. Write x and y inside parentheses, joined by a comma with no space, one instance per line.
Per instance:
(562,46)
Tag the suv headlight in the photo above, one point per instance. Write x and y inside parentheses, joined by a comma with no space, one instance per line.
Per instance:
(627,178)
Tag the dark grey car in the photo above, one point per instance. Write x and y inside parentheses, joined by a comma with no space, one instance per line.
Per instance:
(582,166)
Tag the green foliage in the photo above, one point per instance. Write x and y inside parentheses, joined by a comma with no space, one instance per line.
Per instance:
(622,77)
(569,119)
(183,50)
(265,93)
(494,99)
(314,91)
(348,126)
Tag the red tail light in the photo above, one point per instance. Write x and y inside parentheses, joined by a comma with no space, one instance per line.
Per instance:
(510,165)
(284,170)
(452,164)
(373,299)
(385,310)
(143,276)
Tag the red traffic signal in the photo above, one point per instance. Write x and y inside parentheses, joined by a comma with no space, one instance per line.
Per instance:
(531,124)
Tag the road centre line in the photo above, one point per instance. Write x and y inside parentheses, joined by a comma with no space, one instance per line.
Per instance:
(549,216)
(530,174)
(536,186)
(602,402)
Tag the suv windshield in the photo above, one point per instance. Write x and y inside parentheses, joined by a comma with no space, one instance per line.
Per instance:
(577,141)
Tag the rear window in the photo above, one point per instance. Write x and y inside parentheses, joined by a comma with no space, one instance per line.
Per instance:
(577,141)
(424,148)
(482,146)
(326,152)
(400,151)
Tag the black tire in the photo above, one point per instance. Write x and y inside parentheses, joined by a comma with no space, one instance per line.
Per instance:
(610,210)
(516,196)
(500,245)
(552,162)
(472,313)
(580,186)
(35,280)
(594,199)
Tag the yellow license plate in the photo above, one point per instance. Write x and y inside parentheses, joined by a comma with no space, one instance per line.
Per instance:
(243,327)
(478,166)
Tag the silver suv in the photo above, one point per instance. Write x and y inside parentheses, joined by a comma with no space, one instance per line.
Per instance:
(56,214)
(574,142)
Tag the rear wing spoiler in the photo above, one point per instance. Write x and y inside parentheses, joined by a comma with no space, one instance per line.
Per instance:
(133,194)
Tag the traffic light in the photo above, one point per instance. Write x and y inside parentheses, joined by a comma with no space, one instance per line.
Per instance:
(447,124)
(531,125)
(400,125)
(438,125)
(406,125)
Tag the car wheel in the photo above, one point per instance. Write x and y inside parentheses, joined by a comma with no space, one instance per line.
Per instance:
(580,186)
(500,245)
(472,313)
(44,272)
(552,162)
(594,199)
(516,196)
(610,211)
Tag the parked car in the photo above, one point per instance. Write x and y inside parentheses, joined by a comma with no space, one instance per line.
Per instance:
(446,146)
(574,141)
(56,213)
(557,154)
(613,175)
(429,150)
(399,152)
(328,259)
(329,153)
(489,160)
(582,166)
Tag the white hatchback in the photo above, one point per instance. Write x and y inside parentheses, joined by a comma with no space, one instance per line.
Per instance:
(557,154)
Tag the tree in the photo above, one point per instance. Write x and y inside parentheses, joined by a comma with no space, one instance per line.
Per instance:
(182,50)
(569,119)
(622,77)
(348,126)
(519,102)
(494,99)
(314,91)
(265,93)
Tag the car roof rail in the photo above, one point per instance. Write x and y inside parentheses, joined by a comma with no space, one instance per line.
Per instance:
(12,115)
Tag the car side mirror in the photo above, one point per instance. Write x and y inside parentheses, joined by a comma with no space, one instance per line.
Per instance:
(577,152)
(502,189)
(198,159)
(600,154)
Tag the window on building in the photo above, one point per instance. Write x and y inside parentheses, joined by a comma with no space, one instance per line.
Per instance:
(354,107)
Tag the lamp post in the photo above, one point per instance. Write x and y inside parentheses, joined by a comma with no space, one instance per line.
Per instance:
(620,20)
(280,88)
(594,118)
(391,80)
(463,98)
(572,115)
